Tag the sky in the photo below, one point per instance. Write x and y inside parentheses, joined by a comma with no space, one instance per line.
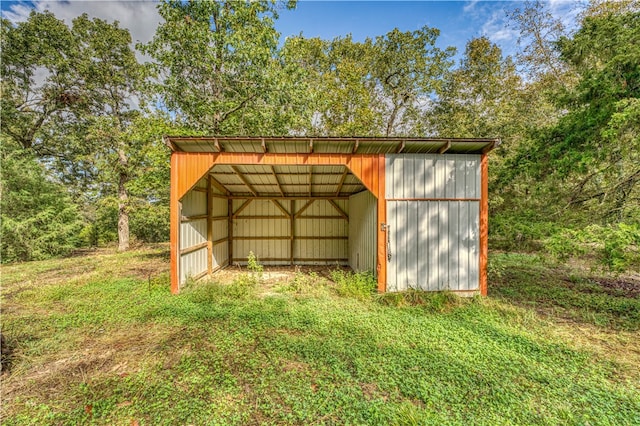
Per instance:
(458,21)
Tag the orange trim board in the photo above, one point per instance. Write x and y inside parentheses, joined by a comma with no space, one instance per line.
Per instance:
(193,166)
(484,222)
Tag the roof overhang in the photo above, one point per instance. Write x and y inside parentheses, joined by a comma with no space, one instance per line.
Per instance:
(330,145)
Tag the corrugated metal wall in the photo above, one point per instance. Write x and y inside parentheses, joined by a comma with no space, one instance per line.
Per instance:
(432,176)
(264,229)
(192,233)
(220,232)
(433,216)
(362,232)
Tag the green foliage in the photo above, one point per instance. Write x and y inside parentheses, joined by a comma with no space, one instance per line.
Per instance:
(254,264)
(374,87)
(221,353)
(617,248)
(39,219)
(150,222)
(217,65)
(440,301)
(359,285)
(564,293)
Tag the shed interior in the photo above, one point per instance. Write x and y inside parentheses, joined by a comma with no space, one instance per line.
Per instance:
(285,215)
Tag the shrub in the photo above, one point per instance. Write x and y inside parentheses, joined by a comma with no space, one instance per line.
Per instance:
(39,219)
(616,247)
(360,285)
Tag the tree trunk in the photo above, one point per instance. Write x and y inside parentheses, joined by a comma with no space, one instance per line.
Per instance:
(123,204)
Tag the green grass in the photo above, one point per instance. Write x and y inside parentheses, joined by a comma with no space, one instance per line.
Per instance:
(98,342)
(528,281)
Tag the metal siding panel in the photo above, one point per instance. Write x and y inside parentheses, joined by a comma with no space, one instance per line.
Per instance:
(362,243)
(194,203)
(474,245)
(443,246)
(401,231)
(422,252)
(454,247)
(192,264)
(433,248)
(192,233)
(412,245)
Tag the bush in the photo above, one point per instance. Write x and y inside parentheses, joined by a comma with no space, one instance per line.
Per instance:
(39,220)
(149,223)
(360,285)
(616,247)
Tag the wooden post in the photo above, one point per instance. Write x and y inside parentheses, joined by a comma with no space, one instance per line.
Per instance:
(174,213)
(292,230)
(230,231)
(382,234)
(484,222)
(209,226)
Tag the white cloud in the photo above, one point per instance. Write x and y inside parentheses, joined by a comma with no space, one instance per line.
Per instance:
(470,6)
(497,30)
(140,17)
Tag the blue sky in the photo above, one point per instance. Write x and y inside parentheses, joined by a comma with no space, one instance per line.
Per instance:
(458,21)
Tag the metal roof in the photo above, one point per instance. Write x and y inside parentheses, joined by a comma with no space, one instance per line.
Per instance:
(337,145)
(252,180)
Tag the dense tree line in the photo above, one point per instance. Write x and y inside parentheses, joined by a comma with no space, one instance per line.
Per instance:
(82,117)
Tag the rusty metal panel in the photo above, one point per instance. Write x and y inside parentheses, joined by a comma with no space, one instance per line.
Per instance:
(434,245)
(454,176)
(362,241)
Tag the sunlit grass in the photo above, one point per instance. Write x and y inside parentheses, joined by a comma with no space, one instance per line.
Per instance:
(111,345)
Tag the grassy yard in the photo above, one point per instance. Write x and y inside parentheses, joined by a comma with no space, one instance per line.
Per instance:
(98,339)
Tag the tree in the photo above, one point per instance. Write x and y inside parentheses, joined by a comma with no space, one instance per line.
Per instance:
(38,218)
(39,83)
(408,70)
(216,63)
(113,80)
(481,98)
(374,87)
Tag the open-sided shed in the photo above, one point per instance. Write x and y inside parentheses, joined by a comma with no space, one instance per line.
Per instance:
(413,211)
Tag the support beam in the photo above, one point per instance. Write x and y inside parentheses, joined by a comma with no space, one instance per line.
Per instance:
(382,232)
(245,181)
(209,225)
(484,223)
(263,145)
(444,148)
(310,180)
(242,207)
(275,176)
(400,147)
(340,211)
(306,206)
(282,209)
(174,232)
(310,146)
(218,185)
(276,197)
(216,143)
(230,228)
(292,231)
(356,145)
(193,165)
(342,179)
